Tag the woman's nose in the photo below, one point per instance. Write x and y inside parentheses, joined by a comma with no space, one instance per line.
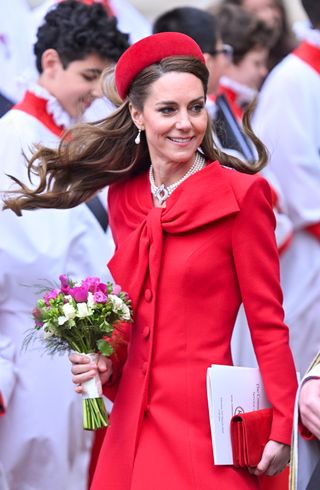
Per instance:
(183,121)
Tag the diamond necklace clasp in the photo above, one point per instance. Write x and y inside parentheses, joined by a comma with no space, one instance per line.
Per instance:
(161,193)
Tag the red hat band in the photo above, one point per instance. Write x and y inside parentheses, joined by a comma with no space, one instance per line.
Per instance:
(150,50)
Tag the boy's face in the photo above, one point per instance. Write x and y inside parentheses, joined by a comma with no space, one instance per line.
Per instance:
(76,86)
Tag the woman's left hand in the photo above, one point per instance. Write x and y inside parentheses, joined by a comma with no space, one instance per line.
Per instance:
(275,458)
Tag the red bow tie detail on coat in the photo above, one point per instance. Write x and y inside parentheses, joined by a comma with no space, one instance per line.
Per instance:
(203,198)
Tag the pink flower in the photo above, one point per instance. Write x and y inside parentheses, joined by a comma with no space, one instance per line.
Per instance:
(37,315)
(116,289)
(79,293)
(91,283)
(102,287)
(50,295)
(99,297)
(64,283)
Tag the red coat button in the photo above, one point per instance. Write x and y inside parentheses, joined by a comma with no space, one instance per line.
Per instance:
(148,295)
(144,367)
(146,332)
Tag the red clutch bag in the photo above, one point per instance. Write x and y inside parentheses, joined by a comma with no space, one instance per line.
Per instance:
(250,433)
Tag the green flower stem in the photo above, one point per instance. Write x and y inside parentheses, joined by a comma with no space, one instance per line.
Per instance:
(94,414)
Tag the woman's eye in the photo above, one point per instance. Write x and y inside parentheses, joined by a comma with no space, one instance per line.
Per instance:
(166,110)
(197,108)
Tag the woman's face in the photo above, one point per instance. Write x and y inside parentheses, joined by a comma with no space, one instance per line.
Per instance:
(174,118)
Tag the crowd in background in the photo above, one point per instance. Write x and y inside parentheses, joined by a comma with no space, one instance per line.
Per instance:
(257,62)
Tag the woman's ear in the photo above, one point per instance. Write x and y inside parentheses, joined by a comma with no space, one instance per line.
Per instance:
(136,116)
(50,61)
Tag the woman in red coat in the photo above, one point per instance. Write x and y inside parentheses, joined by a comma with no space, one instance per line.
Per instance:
(194,239)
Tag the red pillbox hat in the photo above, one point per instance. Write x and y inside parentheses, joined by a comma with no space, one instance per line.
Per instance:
(150,50)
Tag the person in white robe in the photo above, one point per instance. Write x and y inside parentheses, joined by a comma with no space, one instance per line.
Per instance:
(287,120)
(15,49)
(129,20)
(305,449)
(42,443)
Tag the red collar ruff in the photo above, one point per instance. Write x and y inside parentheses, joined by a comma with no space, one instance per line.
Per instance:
(37,107)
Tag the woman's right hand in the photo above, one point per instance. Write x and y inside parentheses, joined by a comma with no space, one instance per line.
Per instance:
(83,369)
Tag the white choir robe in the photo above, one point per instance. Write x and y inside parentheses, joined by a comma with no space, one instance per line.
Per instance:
(287,120)
(15,46)
(43,445)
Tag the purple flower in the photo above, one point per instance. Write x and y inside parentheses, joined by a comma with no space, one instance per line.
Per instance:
(91,283)
(50,295)
(102,287)
(64,283)
(100,297)
(38,323)
(79,293)
(116,289)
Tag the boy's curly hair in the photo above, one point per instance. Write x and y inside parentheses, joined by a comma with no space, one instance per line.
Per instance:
(76,30)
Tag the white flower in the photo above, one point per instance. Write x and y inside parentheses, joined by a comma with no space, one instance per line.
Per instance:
(125,312)
(116,302)
(119,306)
(46,331)
(47,334)
(69,311)
(83,310)
(90,300)
(62,320)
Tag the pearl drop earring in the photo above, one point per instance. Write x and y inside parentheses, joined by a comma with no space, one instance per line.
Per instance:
(137,138)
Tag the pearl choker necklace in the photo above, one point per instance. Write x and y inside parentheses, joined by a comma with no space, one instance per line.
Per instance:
(162,192)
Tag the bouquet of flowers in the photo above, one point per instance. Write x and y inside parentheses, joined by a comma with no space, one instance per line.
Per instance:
(82,317)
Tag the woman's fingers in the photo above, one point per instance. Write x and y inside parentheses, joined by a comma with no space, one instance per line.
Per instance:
(274,459)
(83,369)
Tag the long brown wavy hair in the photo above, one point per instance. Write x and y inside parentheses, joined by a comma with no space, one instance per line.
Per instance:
(94,155)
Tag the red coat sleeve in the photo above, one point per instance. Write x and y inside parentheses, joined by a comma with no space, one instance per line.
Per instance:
(257,265)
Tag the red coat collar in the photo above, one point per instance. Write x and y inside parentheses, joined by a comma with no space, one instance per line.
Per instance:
(37,107)
(310,54)
(138,227)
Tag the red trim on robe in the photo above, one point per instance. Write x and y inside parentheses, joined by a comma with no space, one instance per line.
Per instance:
(314,230)
(105,4)
(37,107)
(285,245)
(310,54)
(2,408)
(232,97)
